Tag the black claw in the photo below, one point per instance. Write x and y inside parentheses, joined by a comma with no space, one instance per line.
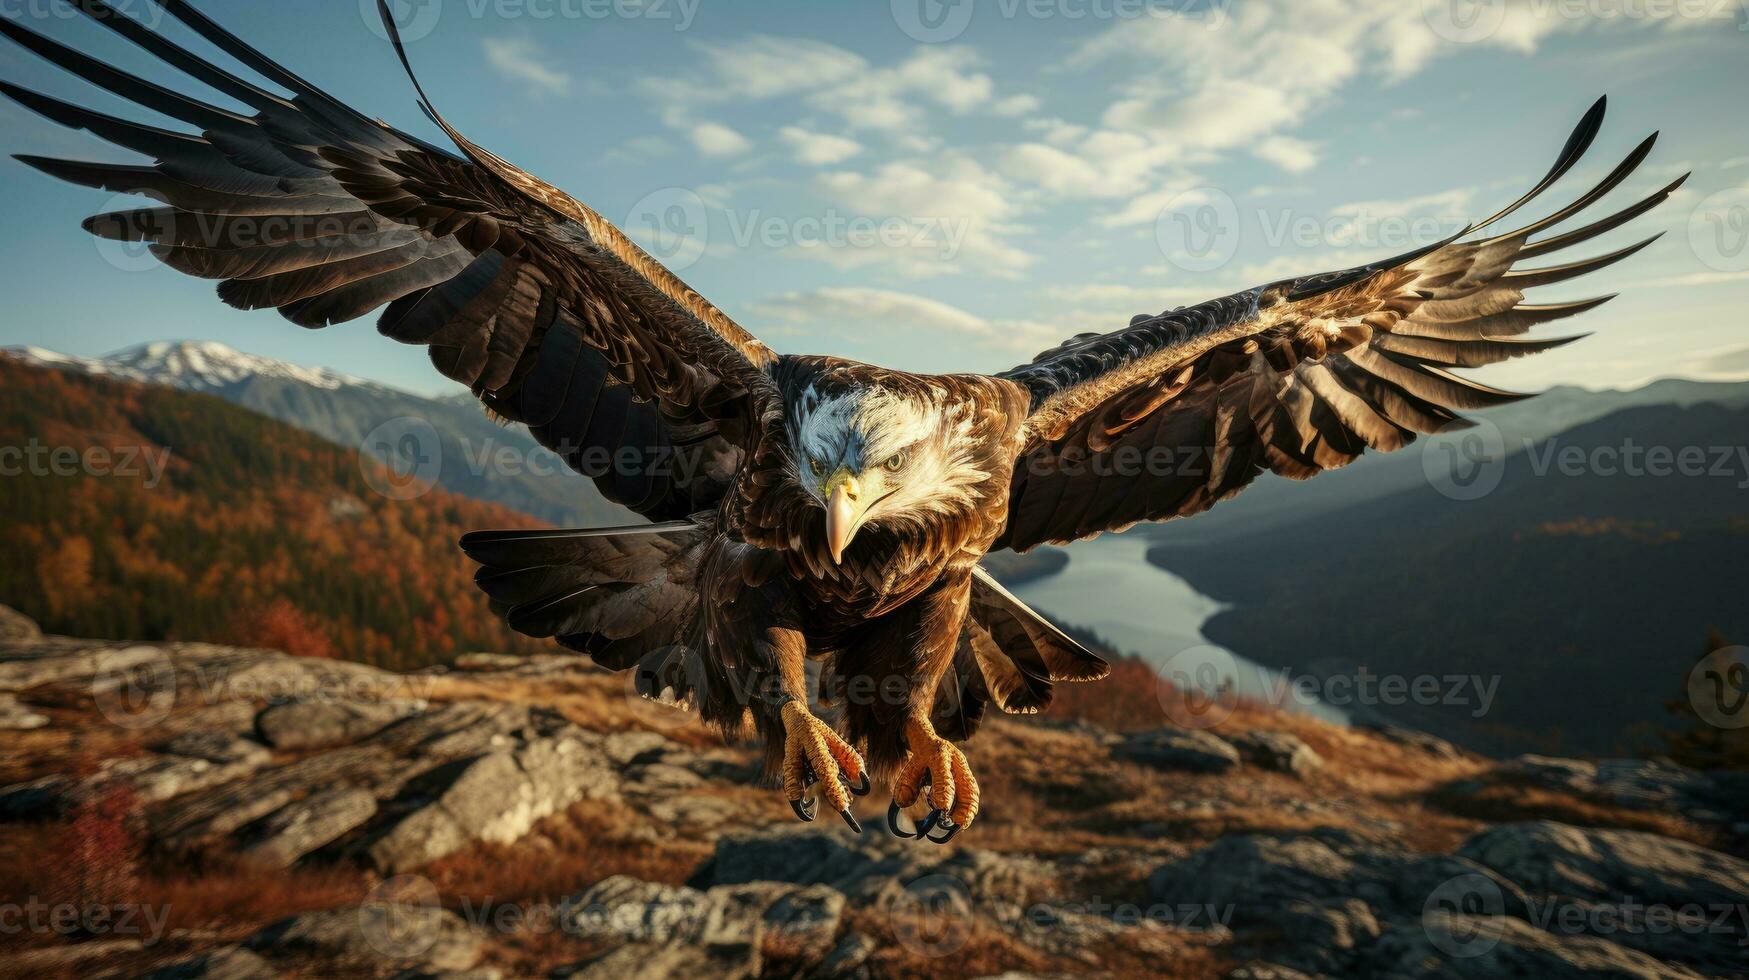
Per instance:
(952,830)
(805,809)
(928,823)
(861,790)
(845,813)
(893,822)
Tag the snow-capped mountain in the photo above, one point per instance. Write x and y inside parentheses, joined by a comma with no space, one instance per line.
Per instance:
(347,410)
(191,365)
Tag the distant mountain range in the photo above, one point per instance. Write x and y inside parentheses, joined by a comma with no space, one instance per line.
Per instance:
(138,511)
(473,455)
(1274,501)
(1583,585)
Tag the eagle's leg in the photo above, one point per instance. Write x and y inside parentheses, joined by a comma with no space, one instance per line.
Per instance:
(937,770)
(812,750)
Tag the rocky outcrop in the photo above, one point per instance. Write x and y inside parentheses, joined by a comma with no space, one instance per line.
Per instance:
(1536,899)
(1277,751)
(252,756)
(1186,749)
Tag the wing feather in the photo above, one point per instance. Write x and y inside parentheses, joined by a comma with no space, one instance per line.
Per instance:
(1299,376)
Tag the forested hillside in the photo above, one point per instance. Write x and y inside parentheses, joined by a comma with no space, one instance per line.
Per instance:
(139,512)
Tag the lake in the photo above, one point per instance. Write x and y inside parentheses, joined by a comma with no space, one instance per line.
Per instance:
(1110,588)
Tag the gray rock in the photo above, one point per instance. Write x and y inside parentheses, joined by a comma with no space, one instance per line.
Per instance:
(722,929)
(16,716)
(219,747)
(796,856)
(1257,877)
(309,824)
(382,935)
(1410,738)
(628,748)
(846,958)
(1639,784)
(629,909)
(1277,751)
(806,920)
(1612,883)
(496,798)
(649,962)
(16,627)
(25,668)
(1189,750)
(229,963)
(301,725)
(156,778)
(1486,947)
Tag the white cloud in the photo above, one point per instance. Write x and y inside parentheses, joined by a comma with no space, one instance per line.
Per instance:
(818,149)
(717,140)
(960,214)
(521,60)
(1015,105)
(885,307)
(1296,156)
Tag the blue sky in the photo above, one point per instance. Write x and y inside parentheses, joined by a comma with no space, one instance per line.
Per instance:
(954,186)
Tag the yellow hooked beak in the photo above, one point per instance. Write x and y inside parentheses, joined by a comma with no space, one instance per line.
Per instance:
(843,512)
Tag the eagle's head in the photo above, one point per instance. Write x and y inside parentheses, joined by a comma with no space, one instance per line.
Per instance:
(873,455)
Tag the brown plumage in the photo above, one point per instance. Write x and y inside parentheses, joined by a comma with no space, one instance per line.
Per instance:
(804,510)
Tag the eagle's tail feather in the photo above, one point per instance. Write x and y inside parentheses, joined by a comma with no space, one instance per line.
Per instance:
(619,594)
(1011,655)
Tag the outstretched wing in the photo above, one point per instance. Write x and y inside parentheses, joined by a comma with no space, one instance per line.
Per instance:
(1186,408)
(542,307)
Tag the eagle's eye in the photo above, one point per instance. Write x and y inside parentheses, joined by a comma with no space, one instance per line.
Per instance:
(894,462)
(817,467)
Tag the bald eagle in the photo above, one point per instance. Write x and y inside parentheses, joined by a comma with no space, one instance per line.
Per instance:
(810,572)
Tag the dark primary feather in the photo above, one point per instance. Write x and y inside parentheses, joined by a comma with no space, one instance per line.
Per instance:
(1294,377)
(534,301)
